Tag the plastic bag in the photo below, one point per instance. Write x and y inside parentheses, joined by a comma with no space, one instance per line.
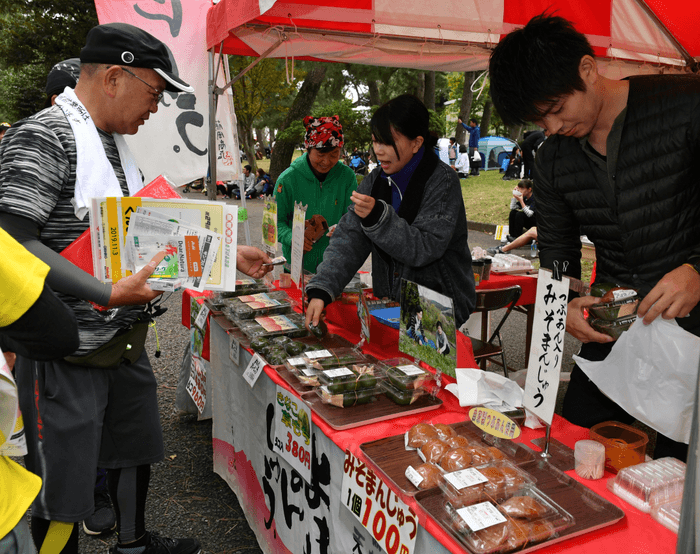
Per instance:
(651,372)
(475,387)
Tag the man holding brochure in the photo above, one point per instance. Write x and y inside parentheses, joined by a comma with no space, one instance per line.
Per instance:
(98,407)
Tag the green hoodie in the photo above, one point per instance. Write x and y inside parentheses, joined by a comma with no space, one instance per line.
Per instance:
(329,199)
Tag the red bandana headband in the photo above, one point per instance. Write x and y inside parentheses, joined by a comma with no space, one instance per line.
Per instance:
(322,132)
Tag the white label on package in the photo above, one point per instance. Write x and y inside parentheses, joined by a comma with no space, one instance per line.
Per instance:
(313,355)
(480,516)
(413,476)
(622,294)
(338,372)
(465,478)
(308,372)
(296,361)
(410,369)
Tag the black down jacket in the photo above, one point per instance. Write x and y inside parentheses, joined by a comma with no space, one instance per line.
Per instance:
(651,224)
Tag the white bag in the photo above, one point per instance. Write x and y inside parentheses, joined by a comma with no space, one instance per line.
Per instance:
(476,157)
(651,373)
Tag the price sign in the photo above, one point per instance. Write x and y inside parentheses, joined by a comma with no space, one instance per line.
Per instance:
(392,523)
(234,349)
(547,347)
(202,316)
(293,432)
(197,384)
(254,369)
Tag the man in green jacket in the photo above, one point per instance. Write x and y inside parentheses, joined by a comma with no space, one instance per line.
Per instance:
(316,179)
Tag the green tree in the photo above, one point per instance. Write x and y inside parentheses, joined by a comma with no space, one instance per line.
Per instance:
(258,92)
(36,34)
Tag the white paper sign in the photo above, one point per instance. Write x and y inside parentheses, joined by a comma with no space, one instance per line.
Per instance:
(197,384)
(234,349)
(392,523)
(480,516)
(297,261)
(293,432)
(465,478)
(254,369)
(547,347)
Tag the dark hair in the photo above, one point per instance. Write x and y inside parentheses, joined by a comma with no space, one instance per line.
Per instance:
(324,150)
(474,121)
(260,171)
(532,68)
(407,115)
(462,148)
(438,324)
(248,167)
(526,183)
(452,139)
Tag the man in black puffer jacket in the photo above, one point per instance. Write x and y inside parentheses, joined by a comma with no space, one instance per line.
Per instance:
(618,166)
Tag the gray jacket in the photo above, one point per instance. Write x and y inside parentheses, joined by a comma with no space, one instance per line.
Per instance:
(425,242)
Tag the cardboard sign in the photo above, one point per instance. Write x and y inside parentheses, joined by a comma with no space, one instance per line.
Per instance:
(389,521)
(547,347)
(293,432)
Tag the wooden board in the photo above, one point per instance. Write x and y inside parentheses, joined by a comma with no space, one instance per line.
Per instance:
(365,414)
(590,511)
(390,456)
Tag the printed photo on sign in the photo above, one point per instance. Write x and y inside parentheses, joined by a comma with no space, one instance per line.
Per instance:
(427,327)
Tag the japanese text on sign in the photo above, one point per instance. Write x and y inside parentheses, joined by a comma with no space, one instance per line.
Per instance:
(494,423)
(293,432)
(297,253)
(390,522)
(547,346)
(254,369)
(197,384)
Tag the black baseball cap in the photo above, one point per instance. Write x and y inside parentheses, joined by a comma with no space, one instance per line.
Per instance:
(124,44)
(63,74)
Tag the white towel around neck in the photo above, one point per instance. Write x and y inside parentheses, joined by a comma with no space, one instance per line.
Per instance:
(94,175)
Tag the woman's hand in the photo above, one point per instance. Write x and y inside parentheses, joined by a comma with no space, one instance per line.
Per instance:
(363,204)
(314,311)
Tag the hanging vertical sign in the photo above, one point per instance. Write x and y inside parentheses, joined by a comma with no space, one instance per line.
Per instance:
(293,432)
(297,254)
(547,346)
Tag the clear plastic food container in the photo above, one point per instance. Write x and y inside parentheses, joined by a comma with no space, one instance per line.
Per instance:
(402,397)
(350,378)
(651,483)
(610,311)
(494,481)
(339,357)
(523,518)
(256,305)
(405,374)
(291,325)
(612,328)
(348,399)
(624,445)
(245,286)
(668,514)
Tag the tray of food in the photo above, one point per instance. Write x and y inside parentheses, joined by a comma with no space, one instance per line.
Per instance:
(446,447)
(251,306)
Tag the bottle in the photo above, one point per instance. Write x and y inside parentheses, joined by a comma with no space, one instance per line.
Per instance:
(533,249)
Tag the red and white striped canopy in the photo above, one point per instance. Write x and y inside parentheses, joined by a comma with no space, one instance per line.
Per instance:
(451,35)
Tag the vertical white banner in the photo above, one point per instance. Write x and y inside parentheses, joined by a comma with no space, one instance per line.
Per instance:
(297,252)
(547,347)
(293,432)
(174,141)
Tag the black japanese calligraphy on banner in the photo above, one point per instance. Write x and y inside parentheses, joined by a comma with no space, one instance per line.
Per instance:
(549,329)
(174,21)
(293,506)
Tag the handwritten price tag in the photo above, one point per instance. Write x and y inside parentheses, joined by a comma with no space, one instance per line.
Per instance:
(254,369)
(392,523)
(293,432)
(201,320)
(234,349)
(197,384)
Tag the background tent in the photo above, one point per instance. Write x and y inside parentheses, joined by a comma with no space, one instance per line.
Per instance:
(494,150)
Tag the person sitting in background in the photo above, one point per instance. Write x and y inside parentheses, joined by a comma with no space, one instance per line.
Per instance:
(321,181)
(523,240)
(248,182)
(515,165)
(463,163)
(522,210)
(357,164)
(441,343)
(263,182)
(414,329)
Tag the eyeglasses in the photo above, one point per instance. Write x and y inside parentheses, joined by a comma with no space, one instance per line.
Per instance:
(158,96)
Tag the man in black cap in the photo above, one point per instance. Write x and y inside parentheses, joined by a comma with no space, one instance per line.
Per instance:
(63,74)
(96,409)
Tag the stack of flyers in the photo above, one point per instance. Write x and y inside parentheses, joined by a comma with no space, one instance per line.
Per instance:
(190,249)
(200,239)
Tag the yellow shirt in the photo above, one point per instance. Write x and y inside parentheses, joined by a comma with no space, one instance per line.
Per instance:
(22,278)
(19,489)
